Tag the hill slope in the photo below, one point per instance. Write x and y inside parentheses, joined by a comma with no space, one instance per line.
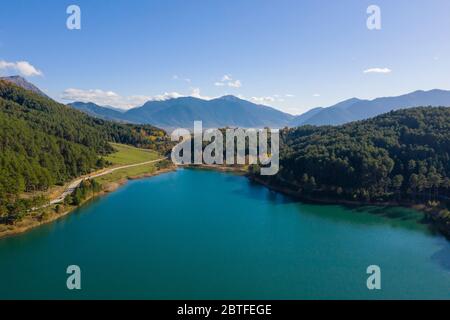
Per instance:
(21,82)
(98,111)
(401,155)
(43,143)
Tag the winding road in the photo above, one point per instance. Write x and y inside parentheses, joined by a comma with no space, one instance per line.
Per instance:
(73,185)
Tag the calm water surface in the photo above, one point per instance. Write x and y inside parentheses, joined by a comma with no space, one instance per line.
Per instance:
(195,234)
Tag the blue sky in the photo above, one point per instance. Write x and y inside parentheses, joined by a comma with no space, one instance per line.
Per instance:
(290,54)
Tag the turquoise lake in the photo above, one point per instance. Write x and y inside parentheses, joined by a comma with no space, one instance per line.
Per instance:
(194,234)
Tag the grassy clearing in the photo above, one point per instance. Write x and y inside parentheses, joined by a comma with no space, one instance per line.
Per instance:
(130,155)
(127,173)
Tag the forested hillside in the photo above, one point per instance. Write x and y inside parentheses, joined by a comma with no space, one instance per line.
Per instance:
(43,143)
(401,155)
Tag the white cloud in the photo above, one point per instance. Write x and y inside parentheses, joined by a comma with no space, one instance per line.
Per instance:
(227,80)
(165,96)
(272,100)
(378,70)
(107,98)
(110,98)
(196,94)
(263,100)
(235,84)
(176,77)
(23,67)
(316,95)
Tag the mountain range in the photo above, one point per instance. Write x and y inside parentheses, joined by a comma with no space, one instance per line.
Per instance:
(182,112)
(235,112)
(356,109)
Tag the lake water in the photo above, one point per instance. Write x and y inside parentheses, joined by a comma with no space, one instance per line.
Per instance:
(194,234)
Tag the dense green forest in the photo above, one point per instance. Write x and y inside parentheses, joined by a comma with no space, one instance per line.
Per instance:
(86,188)
(43,143)
(398,156)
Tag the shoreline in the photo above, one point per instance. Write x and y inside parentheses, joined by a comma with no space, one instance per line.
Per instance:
(212,167)
(31,223)
(430,213)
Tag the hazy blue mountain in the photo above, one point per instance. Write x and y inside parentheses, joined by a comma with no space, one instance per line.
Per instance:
(221,112)
(299,120)
(356,109)
(362,110)
(115,108)
(182,112)
(346,103)
(326,116)
(102,112)
(23,83)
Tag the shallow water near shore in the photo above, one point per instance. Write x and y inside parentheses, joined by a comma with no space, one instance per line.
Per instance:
(194,234)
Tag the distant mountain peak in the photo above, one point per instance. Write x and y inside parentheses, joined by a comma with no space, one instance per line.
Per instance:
(354,99)
(23,83)
(15,78)
(230,97)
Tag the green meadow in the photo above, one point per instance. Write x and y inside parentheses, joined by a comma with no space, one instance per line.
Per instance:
(130,155)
